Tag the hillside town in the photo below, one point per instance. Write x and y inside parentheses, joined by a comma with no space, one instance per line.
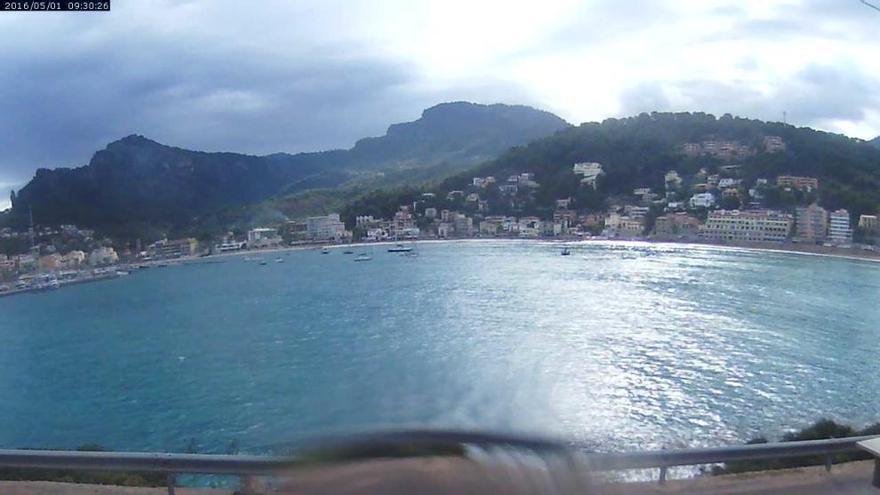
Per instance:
(719,208)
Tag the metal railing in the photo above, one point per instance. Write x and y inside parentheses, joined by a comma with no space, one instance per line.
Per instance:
(665,459)
(249,466)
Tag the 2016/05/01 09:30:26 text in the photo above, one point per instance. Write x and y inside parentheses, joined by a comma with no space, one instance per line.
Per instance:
(54,6)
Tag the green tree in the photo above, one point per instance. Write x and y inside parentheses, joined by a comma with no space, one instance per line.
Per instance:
(730,203)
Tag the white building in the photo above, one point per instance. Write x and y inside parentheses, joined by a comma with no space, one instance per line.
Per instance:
(589,172)
(839,230)
(103,256)
(263,237)
(747,226)
(673,180)
(364,220)
(445,230)
(773,144)
(617,225)
(377,234)
(869,223)
(702,200)
(463,225)
(325,228)
(73,259)
(636,211)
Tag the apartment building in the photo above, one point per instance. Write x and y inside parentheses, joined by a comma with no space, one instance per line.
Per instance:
(839,229)
(747,226)
(797,182)
(811,224)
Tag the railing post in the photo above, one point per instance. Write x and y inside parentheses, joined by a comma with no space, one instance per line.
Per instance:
(250,485)
(663,475)
(170,480)
(828,463)
(876,482)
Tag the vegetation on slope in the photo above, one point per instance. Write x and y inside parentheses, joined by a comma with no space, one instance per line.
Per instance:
(638,151)
(820,430)
(136,186)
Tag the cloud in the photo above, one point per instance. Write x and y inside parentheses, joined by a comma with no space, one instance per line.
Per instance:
(5,188)
(299,76)
(644,97)
(818,94)
(294,78)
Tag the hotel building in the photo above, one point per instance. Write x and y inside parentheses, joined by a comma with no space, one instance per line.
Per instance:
(747,226)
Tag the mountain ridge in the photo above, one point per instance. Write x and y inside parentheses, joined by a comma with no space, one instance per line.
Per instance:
(136,180)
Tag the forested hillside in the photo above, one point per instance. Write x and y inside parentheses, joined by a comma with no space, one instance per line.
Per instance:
(637,152)
(138,187)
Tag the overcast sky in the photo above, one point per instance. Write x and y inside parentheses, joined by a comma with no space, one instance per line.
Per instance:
(298,76)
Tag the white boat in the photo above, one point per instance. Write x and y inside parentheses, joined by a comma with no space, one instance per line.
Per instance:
(400,248)
(45,282)
(279,260)
(325,251)
(363,257)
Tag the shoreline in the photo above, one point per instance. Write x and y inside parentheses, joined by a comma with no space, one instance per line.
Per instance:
(798,249)
(851,254)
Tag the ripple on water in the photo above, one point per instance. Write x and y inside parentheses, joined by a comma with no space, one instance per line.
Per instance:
(621,346)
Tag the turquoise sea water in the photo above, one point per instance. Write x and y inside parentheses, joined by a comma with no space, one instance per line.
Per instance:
(625,346)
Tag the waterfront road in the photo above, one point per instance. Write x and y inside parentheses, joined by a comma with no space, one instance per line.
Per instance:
(444,475)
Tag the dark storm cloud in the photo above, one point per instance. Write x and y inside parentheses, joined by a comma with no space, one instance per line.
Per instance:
(60,109)
(260,90)
(299,76)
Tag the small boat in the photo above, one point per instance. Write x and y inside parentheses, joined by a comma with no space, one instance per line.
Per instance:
(252,258)
(279,260)
(400,248)
(263,263)
(45,282)
(348,251)
(325,251)
(565,252)
(363,257)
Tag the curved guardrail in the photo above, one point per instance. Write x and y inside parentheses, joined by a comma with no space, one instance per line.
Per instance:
(247,466)
(715,455)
